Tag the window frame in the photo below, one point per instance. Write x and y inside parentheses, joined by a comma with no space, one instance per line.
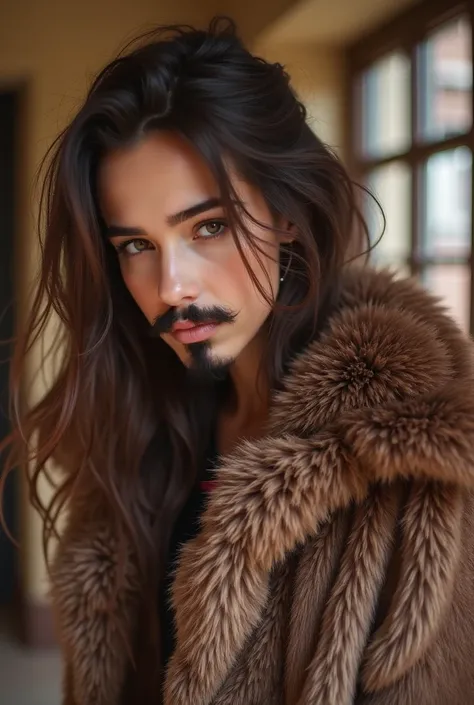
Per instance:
(405,33)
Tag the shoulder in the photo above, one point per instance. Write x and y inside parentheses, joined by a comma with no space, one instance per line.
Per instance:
(386,341)
(405,307)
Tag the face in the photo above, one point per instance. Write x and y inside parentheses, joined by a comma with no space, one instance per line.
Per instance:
(177,255)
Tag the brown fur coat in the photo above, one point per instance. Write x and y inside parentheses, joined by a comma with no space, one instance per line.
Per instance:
(335,563)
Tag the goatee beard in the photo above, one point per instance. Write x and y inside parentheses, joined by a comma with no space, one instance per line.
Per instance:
(203,366)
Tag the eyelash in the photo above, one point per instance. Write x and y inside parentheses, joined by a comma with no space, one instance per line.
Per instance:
(121,247)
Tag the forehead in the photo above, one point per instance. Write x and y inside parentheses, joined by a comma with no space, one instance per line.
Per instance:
(161,171)
(160,175)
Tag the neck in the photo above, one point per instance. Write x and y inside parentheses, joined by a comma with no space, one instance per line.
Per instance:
(247,410)
(250,384)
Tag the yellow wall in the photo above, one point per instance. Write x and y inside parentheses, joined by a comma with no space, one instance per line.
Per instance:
(53,49)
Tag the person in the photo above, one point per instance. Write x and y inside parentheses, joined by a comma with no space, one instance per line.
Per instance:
(263,447)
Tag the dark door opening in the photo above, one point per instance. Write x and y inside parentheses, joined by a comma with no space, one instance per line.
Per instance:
(9,106)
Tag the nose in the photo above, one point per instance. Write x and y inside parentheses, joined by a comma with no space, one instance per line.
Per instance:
(178,279)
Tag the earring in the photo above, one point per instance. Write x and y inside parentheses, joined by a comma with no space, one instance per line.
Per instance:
(287,268)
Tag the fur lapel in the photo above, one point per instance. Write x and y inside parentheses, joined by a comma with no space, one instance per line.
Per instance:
(383,397)
(385,394)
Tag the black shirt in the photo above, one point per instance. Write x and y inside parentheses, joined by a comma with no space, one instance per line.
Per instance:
(186,528)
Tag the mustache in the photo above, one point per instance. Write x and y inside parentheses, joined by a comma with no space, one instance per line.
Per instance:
(194,314)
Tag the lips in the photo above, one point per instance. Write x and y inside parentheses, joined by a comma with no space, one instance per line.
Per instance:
(187,332)
(185,325)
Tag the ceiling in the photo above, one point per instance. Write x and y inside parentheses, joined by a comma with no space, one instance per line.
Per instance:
(330,21)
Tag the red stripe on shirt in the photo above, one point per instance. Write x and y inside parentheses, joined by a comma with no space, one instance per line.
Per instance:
(208,485)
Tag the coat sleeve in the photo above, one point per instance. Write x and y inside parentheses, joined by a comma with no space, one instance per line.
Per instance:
(94,619)
(445,673)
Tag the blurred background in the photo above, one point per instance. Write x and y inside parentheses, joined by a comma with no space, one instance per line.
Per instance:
(388,85)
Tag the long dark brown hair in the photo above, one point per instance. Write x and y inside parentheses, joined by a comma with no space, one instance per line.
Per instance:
(120,417)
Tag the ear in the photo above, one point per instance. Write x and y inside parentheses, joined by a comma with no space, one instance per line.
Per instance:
(287,232)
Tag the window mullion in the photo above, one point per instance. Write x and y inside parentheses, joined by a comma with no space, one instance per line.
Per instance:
(417,178)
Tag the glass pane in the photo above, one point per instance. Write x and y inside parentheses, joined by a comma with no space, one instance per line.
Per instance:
(386,106)
(446,81)
(452,283)
(446,228)
(391,185)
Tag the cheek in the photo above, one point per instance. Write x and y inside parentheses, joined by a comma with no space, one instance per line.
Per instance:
(266,272)
(142,291)
(237,283)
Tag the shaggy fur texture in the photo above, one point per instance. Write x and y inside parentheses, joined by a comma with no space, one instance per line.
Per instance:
(334,565)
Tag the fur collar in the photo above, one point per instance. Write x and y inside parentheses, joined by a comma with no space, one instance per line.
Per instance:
(385,394)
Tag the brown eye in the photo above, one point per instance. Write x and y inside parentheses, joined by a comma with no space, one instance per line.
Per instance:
(134,247)
(211,229)
(140,245)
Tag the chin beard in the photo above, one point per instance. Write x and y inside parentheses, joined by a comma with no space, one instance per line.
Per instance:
(203,365)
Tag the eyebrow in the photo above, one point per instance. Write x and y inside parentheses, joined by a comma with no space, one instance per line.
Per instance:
(172,220)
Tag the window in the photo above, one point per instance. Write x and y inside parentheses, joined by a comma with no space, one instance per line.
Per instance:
(411,143)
